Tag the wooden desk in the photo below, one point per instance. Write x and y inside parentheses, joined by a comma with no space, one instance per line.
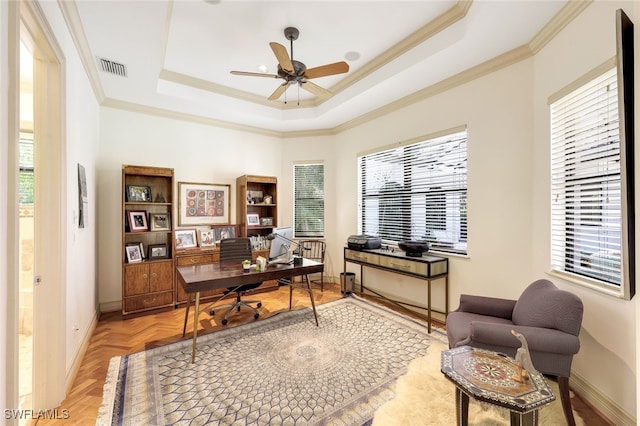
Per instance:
(197,278)
(425,267)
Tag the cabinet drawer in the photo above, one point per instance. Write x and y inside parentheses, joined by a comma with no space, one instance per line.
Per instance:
(405,265)
(362,256)
(148,301)
(195,259)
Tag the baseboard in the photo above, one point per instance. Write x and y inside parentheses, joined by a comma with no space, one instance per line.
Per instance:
(77,359)
(111,306)
(600,402)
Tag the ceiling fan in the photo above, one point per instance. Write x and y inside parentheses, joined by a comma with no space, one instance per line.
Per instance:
(295,72)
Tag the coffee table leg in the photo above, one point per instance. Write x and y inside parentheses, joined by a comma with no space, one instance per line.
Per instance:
(526,419)
(462,408)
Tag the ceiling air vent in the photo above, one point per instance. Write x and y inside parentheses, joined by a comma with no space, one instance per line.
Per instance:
(112,67)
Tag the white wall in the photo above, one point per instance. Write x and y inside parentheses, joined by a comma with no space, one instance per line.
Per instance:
(608,336)
(196,152)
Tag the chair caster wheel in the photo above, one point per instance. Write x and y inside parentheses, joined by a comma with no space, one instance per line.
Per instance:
(255,316)
(224,322)
(212,312)
(259,306)
(238,308)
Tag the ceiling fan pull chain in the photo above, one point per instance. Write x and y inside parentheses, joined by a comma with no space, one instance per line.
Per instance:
(298,94)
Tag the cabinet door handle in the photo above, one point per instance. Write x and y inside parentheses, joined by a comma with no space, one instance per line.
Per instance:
(145,276)
(153,275)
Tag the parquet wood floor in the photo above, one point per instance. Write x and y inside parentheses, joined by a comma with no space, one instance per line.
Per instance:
(114,336)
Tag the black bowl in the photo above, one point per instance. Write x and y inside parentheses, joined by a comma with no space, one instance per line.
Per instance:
(414,248)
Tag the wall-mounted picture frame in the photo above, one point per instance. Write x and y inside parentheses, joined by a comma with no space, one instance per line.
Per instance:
(253,219)
(207,238)
(266,221)
(137,220)
(224,232)
(134,255)
(160,221)
(138,194)
(158,251)
(203,203)
(186,239)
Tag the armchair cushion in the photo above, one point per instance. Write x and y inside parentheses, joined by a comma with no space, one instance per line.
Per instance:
(490,306)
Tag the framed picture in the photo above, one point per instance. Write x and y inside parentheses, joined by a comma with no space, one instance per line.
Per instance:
(266,221)
(160,221)
(138,194)
(158,251)
(186,238)
(203,204)
(224,232)
(134,255)
(253,219)
(207,238)
(139,244)
(137,220)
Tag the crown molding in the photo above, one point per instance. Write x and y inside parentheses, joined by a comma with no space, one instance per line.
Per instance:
(561,19)
(74,24)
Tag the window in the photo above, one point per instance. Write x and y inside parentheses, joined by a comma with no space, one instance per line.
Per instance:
(308,203)
(417,191)
(26,168)
(586,202)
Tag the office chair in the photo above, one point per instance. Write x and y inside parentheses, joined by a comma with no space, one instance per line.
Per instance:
(236,250)
(314,250)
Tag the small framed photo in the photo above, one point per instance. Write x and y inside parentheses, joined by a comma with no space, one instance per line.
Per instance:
(139,244)
(160,221)
(224,232)
(138,194)
(266,221)
(207,238)
(137,220)
(185,239)
(134,255)
(158,251)
(253,219)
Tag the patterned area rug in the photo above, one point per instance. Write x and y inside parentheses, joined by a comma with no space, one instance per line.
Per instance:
(281,370)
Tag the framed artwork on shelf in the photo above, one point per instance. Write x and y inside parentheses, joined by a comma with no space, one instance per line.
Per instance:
(253,219)
(158,251)
(186,238)
(137,220)
(266,221)
(203,204)
(134,255)
(207,238)
(138,194)
(139,244)
(160,221)
(224,232)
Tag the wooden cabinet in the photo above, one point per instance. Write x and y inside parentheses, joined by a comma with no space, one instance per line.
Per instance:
(257,196)
(147,239)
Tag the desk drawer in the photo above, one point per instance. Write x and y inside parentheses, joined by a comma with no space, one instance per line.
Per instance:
(195,259)
(362,256)
(405,265)
(148,301)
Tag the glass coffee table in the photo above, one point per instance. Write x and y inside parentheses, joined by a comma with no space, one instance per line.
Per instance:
(489,377)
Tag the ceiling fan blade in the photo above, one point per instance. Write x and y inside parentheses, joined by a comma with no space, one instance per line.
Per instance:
(254,74)
(316,90)
(279,91)
(329,69)
(282,56)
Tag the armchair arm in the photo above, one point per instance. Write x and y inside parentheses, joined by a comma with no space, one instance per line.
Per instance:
(489,306)
(538,339)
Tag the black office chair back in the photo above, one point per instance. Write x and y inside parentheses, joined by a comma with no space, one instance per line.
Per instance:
(235,249)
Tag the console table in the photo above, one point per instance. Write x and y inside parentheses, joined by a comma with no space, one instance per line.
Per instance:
(425,267)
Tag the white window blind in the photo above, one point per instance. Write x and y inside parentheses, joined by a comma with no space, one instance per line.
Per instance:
(585,181)
(308,200)
(417,191)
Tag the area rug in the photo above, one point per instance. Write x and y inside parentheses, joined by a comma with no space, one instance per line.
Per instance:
(424,397)
(281,370)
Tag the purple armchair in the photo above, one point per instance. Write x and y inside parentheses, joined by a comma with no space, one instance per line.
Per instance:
(549,318)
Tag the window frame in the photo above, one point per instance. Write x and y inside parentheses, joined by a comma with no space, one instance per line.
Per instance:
(298,199)
(414,187)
